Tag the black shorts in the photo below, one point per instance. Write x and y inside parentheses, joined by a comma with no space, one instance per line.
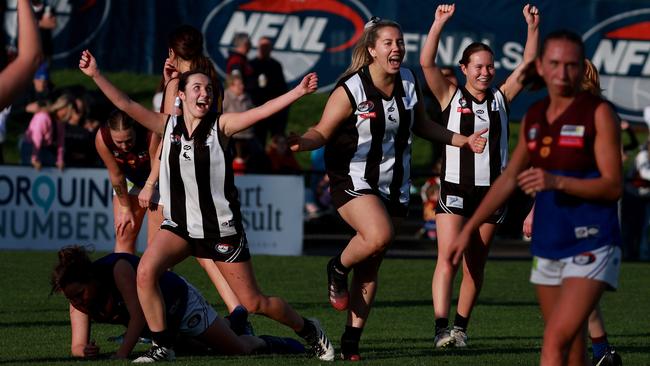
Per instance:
(464,200)
(230,249)
(394,208)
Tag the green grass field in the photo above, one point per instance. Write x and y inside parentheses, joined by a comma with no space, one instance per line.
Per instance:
(505,329)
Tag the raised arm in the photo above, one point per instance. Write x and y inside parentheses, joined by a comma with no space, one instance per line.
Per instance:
(124,276)
(512,86)
(153,121)
(18,73)
(607,150)
(442,88)
(337,109)
(124,214)
(231,123)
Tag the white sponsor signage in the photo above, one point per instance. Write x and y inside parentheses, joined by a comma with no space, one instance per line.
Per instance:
(49,209)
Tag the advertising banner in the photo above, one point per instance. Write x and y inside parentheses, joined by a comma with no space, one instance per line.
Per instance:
(318,35)
(49,209)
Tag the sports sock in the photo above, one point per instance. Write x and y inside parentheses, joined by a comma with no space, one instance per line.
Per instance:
(339,269)
(308,330)
(460,322)
(441,323)
(599,346)
(350,340)
(164,338)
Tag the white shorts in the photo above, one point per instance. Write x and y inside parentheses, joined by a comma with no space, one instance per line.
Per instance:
(199,315)
(602,264)
(134,190)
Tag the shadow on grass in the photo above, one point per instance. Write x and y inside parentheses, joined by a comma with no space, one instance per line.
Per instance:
(427,302)
(34,324)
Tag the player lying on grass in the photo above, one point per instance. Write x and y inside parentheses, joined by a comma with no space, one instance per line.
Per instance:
(104,291)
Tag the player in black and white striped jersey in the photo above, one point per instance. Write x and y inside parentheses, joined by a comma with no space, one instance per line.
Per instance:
(466,178)
(202,216)
(367,125)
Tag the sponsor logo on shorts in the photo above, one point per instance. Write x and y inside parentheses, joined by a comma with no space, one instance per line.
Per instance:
(454,201)
(585,232)
(194,321)
(584,259)
(169,223)
(223,248)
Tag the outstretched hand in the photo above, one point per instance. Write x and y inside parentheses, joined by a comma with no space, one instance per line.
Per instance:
(88,64)
(444,12)
(476,141)
(308,85)
(531,14)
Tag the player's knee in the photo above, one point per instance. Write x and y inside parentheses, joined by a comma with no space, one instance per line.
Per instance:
(255,304)
(147,275)
(379,239)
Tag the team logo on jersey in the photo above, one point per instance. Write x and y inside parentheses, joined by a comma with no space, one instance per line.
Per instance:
(224,248)
(174,138)
(464,107)
(307,35)
(533,132)
(618,47)
(194,321)
(584,259)
(187,147)
(391,109)
(366,106)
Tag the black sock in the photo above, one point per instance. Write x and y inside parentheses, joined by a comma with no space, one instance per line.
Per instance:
(441,323)
(163,338)
(461,322)
(350,340)
(307,330)
(339,268)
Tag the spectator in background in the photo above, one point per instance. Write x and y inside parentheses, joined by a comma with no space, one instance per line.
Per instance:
(636,207)
(242,145)
(46,24)
(281,157)
(43,142)
(268,83)
(18,73)
(79,142)
(237,62)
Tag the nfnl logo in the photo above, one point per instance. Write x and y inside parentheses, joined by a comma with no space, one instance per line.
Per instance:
(621,52)
(307,35)
(93,12)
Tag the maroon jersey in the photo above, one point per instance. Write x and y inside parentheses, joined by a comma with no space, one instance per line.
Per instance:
(135,164)
(568,143)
